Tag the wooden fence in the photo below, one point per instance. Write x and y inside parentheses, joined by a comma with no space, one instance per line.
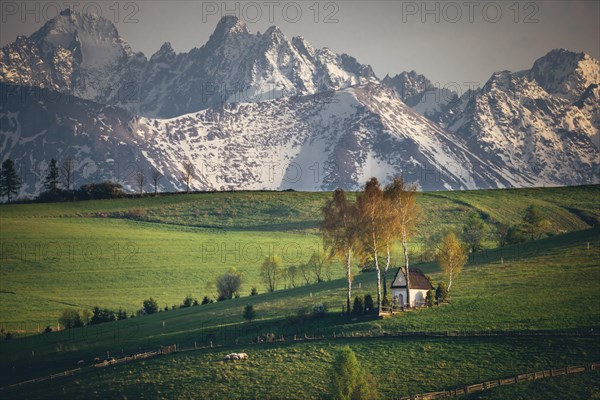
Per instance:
(111,361)
(357,335)
(478,387)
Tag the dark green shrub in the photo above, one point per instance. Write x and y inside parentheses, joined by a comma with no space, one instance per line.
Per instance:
(429,299)
(249,313)
(70,319)
(188,301)
(358,307)
(121,314)
(385,302)
(319,310)
(369,306)
(441,293)
(150,306)
(101,316)
(104,190)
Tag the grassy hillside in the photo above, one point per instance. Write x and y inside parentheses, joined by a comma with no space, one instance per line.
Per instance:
(115,253)
(551,285)
(303,370)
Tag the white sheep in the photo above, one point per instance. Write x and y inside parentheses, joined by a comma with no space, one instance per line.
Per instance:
(236,356)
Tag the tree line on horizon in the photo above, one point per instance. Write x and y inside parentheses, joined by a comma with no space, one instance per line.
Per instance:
(59,182)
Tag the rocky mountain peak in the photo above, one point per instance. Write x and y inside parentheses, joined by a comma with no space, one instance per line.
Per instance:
(566,73)
(408,84)
(303,47)
(228,26)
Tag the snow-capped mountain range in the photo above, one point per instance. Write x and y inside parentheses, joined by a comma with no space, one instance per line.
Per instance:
(83,55)
(261,111)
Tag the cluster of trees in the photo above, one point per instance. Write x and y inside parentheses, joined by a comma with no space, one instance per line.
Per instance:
(363,305)
(71,318)
(59,181)
(533,226)
(58,184)
(440,295)
(368,227)
(150,306)
(273,274)
(316,269)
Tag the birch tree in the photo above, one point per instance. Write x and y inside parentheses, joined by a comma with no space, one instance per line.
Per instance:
(338,231)
(451,257)
(372,226)
(403,217)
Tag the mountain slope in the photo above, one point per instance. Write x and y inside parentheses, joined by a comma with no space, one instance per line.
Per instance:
(314,142)
(544,122)
(311,142)
(37,125)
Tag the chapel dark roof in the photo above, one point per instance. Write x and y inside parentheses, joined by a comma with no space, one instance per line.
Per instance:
(418,280)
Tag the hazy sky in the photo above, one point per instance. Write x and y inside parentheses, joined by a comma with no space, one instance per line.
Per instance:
(460,42)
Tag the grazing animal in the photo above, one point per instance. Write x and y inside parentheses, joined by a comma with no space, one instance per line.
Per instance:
(236,356)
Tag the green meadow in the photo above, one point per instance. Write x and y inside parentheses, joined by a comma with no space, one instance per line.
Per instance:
(103,253)
(116,253)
